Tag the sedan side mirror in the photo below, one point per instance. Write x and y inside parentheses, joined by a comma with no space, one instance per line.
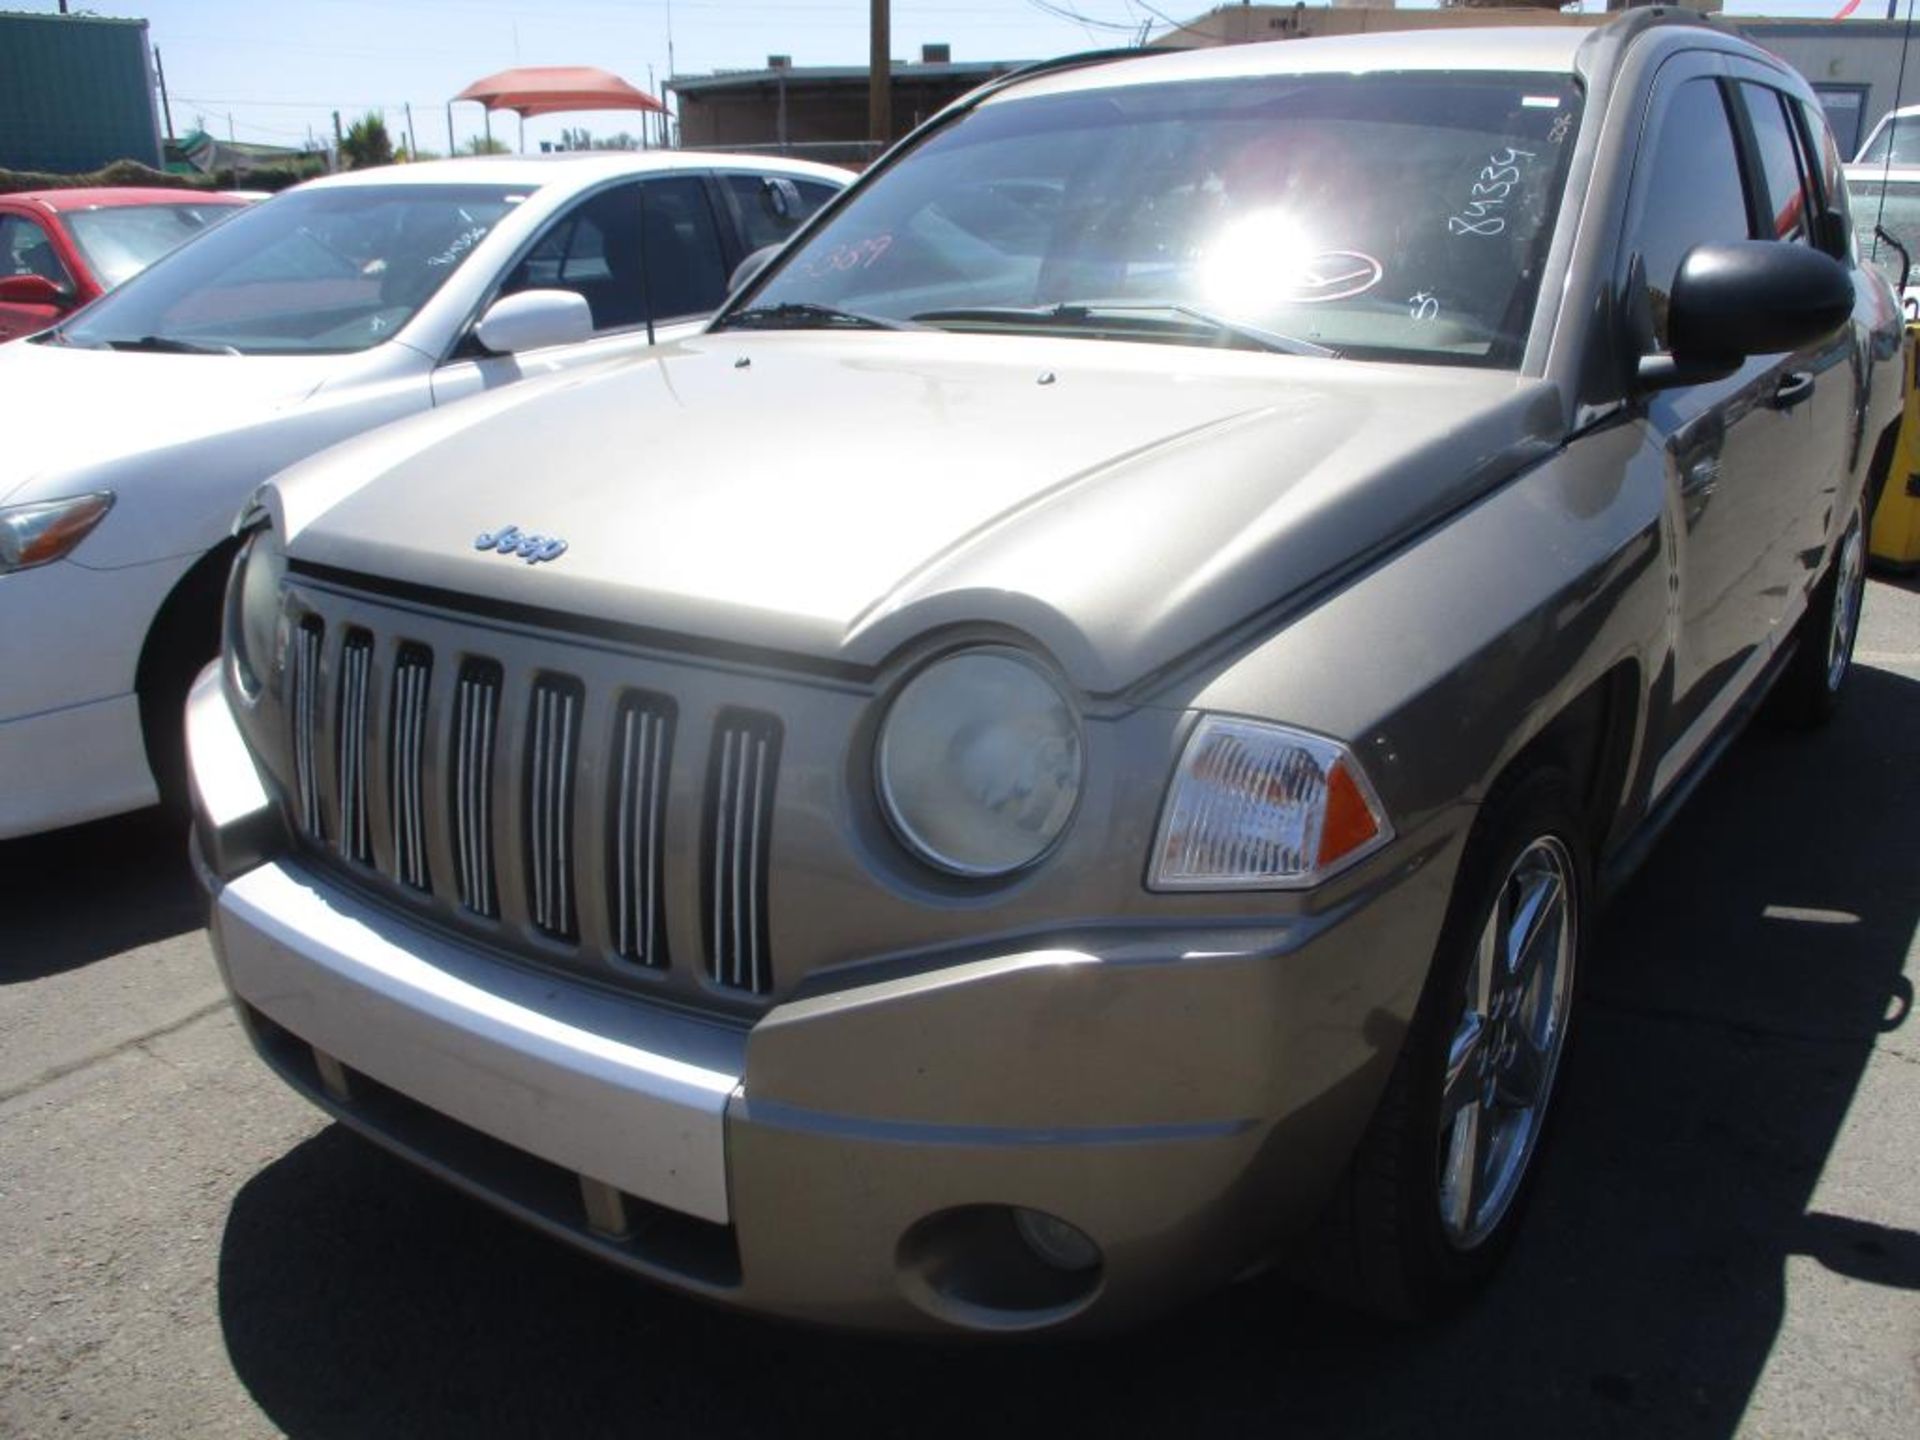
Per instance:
(533,320)
(1742,298)
(34,290)
(750,267)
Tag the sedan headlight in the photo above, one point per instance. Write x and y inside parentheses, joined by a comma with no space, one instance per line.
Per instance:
(1256,806)
(980,762)
(253,608)
(46,531)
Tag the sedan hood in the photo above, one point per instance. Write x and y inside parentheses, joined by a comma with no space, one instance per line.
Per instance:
(837,496)
(71,409)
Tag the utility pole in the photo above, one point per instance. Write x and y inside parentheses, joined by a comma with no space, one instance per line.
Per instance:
(159,66)
(337,138)
(413,146)
(452,149)
(879,76)
(666,116)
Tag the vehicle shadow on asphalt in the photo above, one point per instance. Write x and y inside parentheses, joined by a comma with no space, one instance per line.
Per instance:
(75,896)
(1741,982)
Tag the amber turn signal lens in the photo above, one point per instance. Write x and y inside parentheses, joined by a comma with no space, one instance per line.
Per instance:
(40,533)
(1349,823)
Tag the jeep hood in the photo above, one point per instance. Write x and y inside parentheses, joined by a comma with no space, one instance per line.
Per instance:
(836,496)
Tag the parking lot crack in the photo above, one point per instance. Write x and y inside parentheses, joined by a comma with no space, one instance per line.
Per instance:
(136,1042)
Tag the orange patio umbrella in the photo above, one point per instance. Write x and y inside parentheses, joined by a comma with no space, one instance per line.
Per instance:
(555,89)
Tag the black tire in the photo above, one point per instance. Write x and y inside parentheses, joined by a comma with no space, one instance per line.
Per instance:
(185,636)
(1809,690)
(1404,1265)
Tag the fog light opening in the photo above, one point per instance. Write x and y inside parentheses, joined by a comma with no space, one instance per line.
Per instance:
(1063,1246)
(1000,1267)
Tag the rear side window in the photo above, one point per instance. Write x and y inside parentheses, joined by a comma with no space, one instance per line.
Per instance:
(769,208)
(1687,190)
(1786,207)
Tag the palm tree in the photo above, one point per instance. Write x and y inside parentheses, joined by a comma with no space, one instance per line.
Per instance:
(366,143)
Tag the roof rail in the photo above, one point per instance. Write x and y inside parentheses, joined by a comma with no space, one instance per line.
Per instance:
(1080,59)
(1613,36)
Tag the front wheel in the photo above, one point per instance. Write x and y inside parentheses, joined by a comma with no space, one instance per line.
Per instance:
(1809,688)
(1439,1182)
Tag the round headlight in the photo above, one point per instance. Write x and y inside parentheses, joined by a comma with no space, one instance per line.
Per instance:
(255,596)
(980,762)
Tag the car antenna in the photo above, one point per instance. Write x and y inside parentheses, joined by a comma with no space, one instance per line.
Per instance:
(646,290)
(1893,133)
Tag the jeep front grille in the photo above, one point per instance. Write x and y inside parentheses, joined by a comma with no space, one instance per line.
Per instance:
(537,805)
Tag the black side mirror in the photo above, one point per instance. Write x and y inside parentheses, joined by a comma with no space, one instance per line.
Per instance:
(1746,297)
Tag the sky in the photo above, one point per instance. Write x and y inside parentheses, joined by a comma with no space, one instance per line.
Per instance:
(273,71)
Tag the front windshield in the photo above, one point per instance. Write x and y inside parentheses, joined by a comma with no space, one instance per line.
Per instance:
(120,241)
(327,270)
(1397,215)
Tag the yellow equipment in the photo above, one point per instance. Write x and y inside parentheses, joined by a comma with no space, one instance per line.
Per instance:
(1894,540)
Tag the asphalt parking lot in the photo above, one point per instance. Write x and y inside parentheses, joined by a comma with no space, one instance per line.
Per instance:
(1726,1237)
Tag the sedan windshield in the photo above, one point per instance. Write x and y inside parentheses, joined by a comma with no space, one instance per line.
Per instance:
(326,270)
(119,241)
(1897,142)
(1397,215)
(1893,206)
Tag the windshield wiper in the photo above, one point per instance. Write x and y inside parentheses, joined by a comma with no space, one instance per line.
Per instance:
(805,315)
(1089,314)
(167,345)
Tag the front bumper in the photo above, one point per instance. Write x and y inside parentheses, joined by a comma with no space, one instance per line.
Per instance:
(1184,1097)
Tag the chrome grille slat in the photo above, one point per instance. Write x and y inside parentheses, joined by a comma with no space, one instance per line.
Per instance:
(642,736)
(303,702)
(412,674)
(350,746)
(555,724)
(476,702)
(745,760)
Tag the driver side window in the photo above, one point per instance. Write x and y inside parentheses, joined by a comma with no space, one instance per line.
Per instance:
(1687,191)
(594,251)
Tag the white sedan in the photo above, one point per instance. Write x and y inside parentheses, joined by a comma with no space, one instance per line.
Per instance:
(140,425)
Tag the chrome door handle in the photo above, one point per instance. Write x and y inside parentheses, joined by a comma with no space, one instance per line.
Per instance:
(1794,387)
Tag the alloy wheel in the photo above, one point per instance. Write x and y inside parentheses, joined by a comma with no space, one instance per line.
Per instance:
(1507,1042)
(1850,583)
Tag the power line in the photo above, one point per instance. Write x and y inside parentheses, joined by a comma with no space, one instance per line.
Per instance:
(1086,22)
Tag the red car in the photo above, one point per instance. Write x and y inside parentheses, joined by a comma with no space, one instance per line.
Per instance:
(61,248)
